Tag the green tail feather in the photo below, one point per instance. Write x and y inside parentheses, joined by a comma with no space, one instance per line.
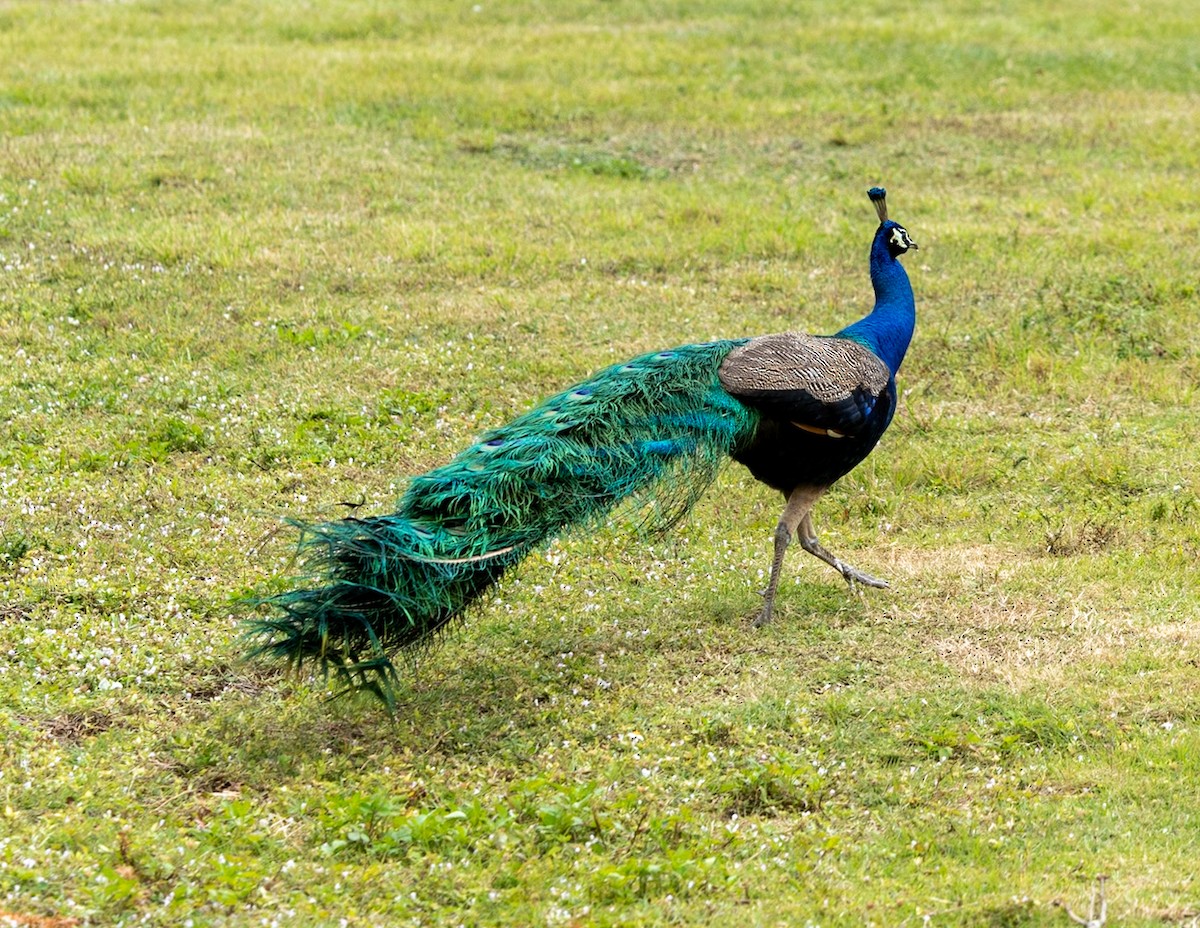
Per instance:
(660,423)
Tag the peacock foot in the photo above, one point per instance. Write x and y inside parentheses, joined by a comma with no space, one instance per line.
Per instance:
(768,610)
(853,576)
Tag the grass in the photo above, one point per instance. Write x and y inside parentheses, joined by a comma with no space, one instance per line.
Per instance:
(261,260)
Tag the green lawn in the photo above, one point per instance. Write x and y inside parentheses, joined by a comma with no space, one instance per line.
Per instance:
(263,260)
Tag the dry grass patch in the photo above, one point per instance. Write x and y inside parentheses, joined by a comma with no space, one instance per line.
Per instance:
(985,613)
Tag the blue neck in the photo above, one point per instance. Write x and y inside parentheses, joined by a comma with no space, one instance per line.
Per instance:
(889,327)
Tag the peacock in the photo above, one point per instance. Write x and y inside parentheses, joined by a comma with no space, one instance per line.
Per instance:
(799,411)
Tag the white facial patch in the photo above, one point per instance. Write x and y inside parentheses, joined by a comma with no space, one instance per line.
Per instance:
(900,238)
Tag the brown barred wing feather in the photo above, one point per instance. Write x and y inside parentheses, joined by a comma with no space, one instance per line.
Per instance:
(821,384)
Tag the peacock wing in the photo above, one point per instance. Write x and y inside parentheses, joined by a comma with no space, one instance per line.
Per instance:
(818,383)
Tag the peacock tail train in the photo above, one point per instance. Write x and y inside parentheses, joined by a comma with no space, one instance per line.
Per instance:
(660,424)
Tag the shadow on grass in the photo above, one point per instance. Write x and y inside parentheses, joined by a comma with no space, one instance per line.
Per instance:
(496,689)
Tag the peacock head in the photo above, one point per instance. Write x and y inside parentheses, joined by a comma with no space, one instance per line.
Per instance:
(894,235)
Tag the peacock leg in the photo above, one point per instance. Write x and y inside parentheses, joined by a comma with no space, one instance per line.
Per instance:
(808,541)
(799,503)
